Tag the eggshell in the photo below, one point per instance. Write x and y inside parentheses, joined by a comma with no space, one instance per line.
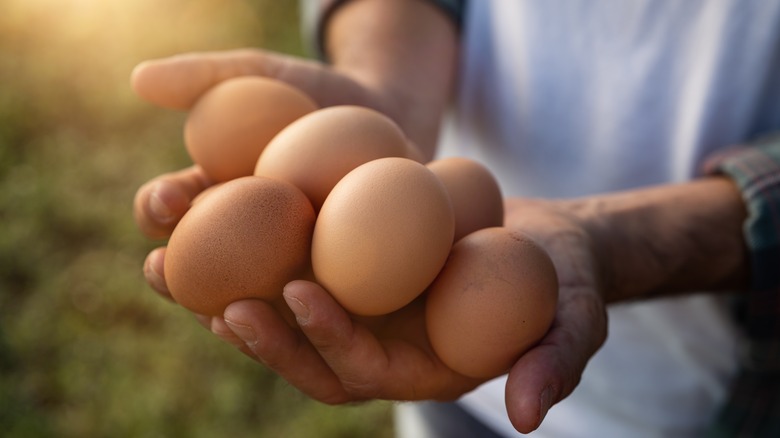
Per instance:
(206,192)
(230,124)
(382,235)
(474,193)
(317,150)
(494,299)
(246,239)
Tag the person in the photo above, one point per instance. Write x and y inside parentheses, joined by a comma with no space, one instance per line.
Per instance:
(631,140)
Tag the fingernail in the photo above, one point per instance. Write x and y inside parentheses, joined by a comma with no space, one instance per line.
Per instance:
(299,309)
(545,402)
(159,210)
(221,328)
(243,331)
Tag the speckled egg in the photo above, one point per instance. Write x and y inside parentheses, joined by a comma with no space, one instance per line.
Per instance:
(494,299)
(247,239)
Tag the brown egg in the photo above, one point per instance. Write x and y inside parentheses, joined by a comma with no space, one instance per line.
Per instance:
(317,150)
(494,299)
(382,235)
(474,192)
(231,123)
(246,239)
(206,192)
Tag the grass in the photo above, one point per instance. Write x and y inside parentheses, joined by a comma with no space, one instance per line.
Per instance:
(86,348)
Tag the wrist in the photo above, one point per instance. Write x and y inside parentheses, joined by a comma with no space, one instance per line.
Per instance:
(668,239)
(405,52)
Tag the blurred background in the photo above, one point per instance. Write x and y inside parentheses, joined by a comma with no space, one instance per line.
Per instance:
(86,348)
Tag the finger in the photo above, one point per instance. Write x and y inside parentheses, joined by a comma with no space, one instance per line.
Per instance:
(160,203)
(154,272)
(271,341)
(178,81)
(549,372)
(367,367)
(219,327)
(354,354)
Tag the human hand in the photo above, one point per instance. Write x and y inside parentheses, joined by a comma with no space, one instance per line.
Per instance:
(411,370)
(178,81)
(549,372)
(637,244)
(337,358)
(401,63)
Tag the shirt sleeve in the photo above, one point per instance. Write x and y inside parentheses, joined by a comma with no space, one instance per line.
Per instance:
(755,168)
(315,15)
(753,405)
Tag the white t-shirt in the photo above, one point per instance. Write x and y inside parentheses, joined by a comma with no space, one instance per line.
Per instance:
(565,98)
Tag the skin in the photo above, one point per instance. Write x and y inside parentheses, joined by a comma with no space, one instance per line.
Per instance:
(644,243)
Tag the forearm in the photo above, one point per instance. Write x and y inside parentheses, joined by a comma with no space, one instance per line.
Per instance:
(670,239)
(404,49)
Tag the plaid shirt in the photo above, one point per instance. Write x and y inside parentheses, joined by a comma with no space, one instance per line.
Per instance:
(753,408)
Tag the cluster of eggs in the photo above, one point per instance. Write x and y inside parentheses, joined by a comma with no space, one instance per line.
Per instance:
(338,195)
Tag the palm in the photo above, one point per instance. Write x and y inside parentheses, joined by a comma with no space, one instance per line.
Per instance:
(336,358)
(404,340)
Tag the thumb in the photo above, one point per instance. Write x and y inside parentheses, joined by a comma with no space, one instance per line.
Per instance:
(176,82)
(549,372)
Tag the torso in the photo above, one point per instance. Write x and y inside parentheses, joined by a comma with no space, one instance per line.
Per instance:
(577,97)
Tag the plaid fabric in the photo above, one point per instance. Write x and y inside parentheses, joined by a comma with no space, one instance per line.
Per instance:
(753,408)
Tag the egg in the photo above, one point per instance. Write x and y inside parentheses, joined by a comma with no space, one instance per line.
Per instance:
(494,299)
(317,150)
(246,239)
(474,192)
(382,235)
(206,192)
(228,127)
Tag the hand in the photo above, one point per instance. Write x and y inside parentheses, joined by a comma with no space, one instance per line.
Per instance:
(333,357)
(649,242)
(400,363)
(178,81)
(336,358)
(551,370)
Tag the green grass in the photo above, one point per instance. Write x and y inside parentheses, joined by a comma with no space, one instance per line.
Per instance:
(86,348)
